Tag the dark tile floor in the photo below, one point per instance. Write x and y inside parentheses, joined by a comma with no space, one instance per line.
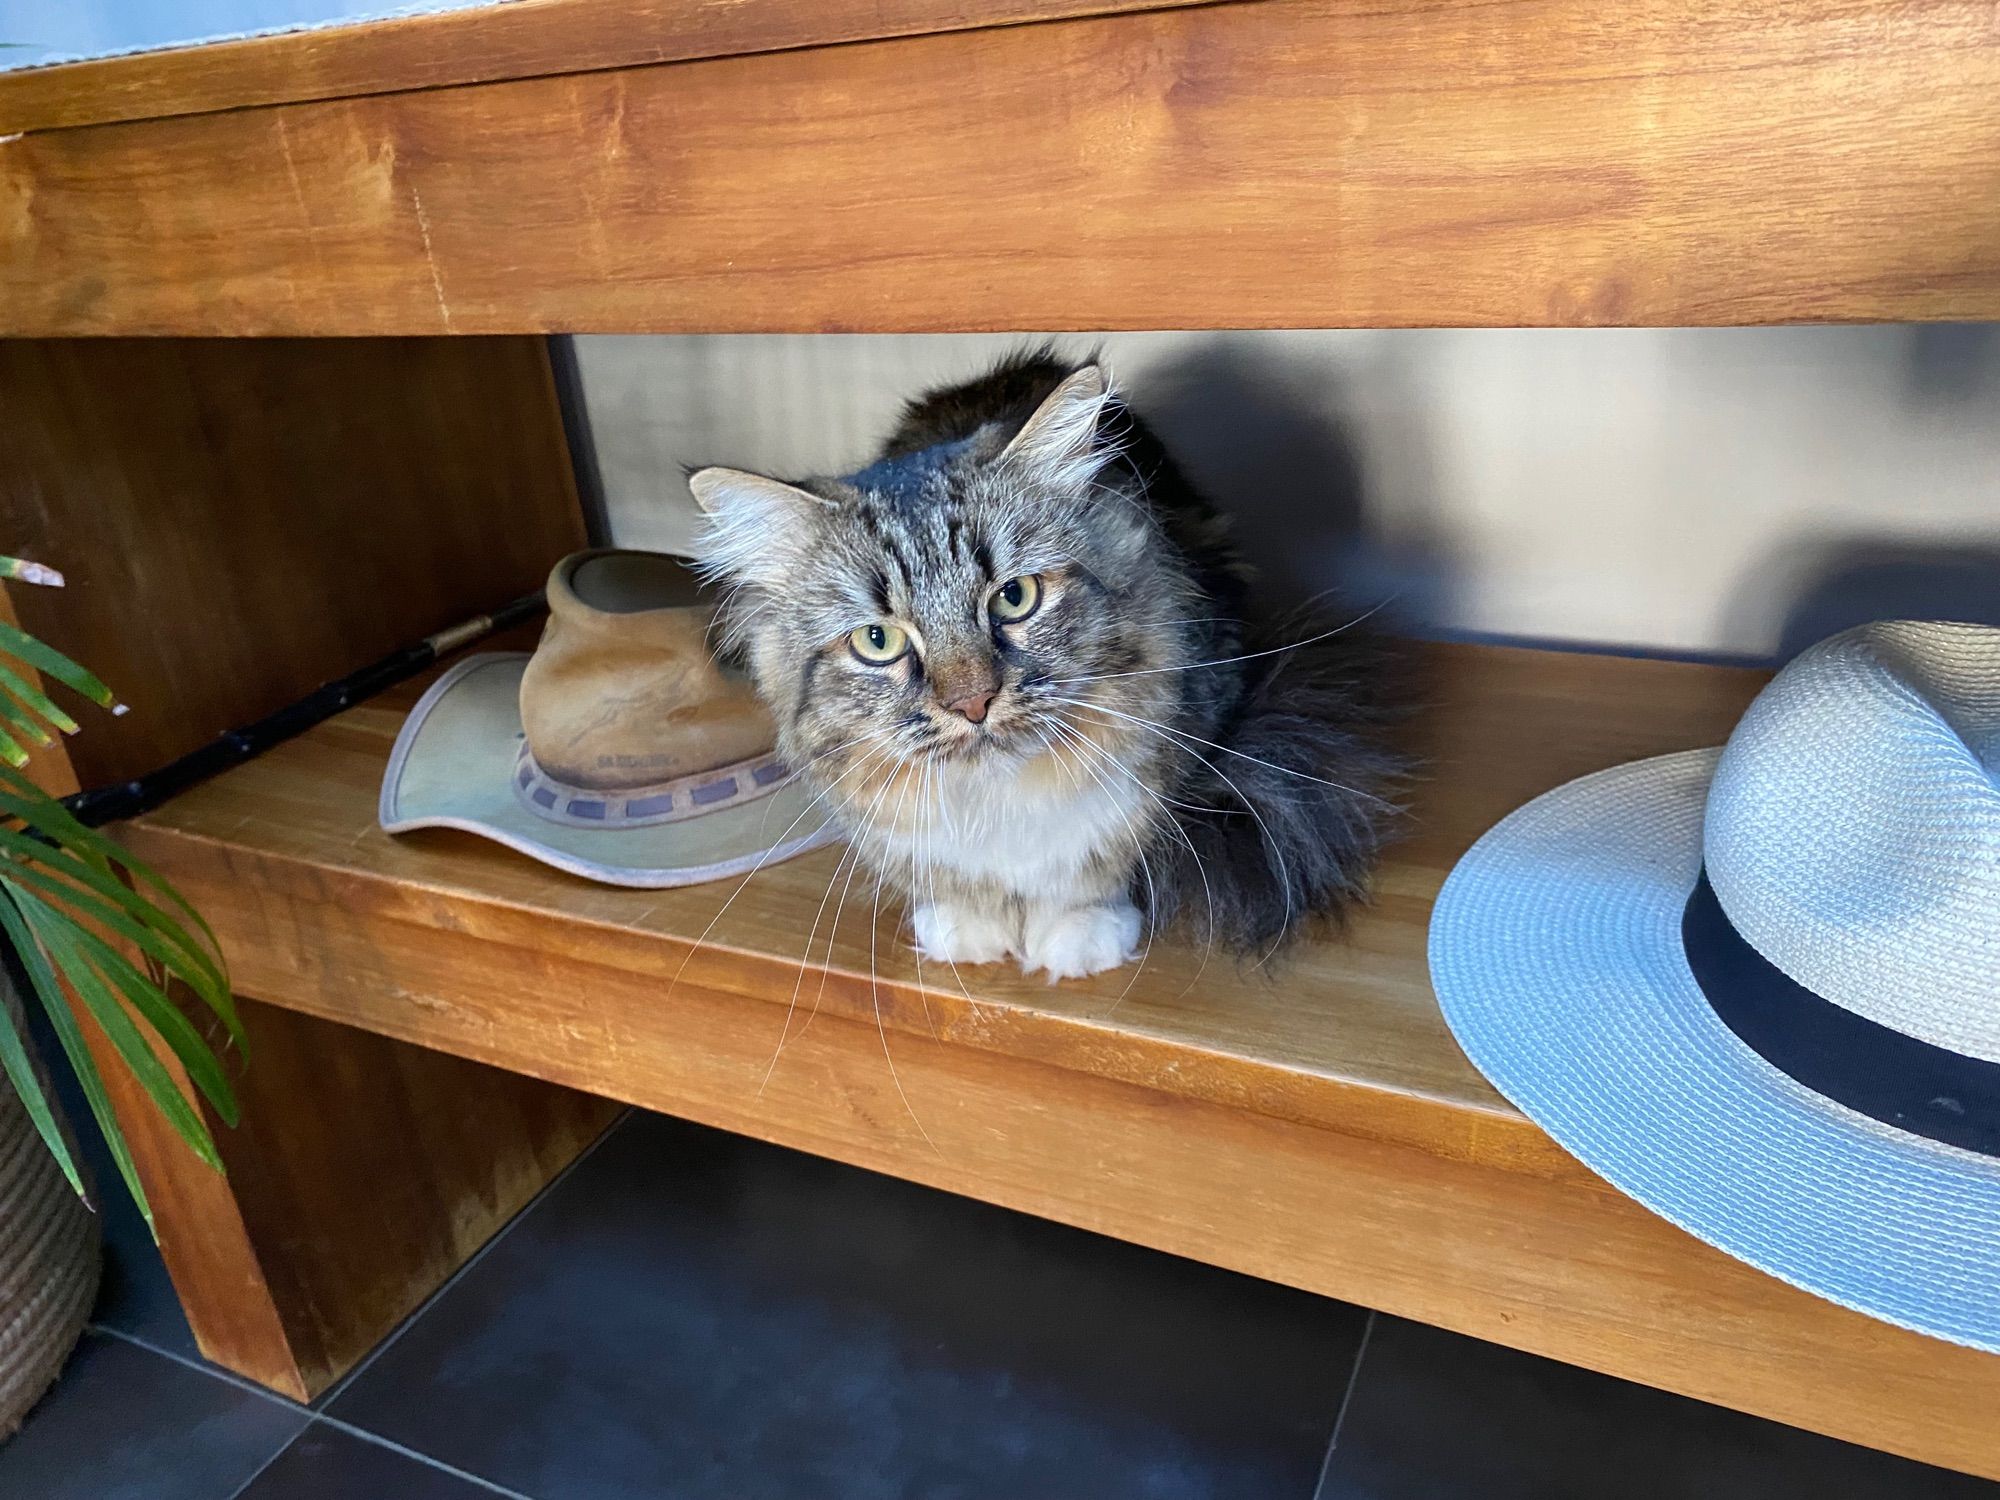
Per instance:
(689,1316)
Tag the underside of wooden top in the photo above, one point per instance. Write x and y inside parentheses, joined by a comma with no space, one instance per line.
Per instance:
(1341,1030)
(1284,163)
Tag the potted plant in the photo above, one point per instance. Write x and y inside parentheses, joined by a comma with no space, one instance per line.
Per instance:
(100,941)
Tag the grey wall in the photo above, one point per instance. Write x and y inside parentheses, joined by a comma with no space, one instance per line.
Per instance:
(1726,491)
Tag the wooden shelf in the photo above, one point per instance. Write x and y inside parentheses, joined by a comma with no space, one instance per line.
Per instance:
(1313,1123)
(550,167)
(1341,1032)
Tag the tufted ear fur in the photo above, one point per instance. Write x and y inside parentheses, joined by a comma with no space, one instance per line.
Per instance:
(755,525)
(1059,444)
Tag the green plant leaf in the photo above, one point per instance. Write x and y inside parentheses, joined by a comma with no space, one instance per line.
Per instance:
(76,852)
(25,722)
(20,1070)
(33,698)
(50,662)
(56,1005)
(176,953)
(89,880)
(89,838)
(11,752)
(158,1010)
(95,889)
(58,936)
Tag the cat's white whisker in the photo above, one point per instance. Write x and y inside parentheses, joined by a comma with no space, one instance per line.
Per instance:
(1174,824)
(923,993)
(882,1030)
(867,828)
(1277,849)
(1139,848)
(1195,666)
(848,856)
(1268,765)
(776,844)
(934,813)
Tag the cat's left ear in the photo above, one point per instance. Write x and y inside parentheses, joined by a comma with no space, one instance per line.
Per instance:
(1059,442)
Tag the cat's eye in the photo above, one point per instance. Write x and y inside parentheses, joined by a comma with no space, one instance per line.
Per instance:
(879,644)
(1016,599)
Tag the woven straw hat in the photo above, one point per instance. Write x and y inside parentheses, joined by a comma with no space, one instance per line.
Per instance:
(621,750)
(1758,988)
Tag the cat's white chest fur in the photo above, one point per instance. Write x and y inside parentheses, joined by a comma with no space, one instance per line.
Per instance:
(1020,827)
(979,833)
(1027,830)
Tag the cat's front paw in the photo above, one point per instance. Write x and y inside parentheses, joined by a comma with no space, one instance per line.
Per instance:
(951,935)
(1083,940)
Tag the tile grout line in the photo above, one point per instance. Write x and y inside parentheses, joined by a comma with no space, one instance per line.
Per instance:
(258,1473)
(314,1414)
(311,1417)
(203,1367)
(339,1388)
(1346,1400)
(361,1434)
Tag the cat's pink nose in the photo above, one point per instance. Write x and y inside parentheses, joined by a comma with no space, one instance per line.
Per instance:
(972,706)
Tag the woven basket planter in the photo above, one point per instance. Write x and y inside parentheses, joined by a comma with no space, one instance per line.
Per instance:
(49,1254)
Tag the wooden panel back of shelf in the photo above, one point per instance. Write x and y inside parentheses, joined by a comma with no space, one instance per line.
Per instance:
(242,521)
(1287,163)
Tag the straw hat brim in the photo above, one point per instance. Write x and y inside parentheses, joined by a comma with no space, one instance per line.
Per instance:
(453,765)
(1555,950)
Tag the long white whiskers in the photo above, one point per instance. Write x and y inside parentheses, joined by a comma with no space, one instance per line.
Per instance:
(776,844)
(875,994)
(1277,851)
(1153,724)
(1246,656)
(1139,846)
(1201,868)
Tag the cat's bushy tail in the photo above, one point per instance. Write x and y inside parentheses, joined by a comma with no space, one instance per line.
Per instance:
(1287,821)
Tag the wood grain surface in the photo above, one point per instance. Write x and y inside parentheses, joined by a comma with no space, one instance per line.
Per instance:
(1344,1034)
(514,39)
(1315,1125)
(1287,163)
(365,1172)
(242,521)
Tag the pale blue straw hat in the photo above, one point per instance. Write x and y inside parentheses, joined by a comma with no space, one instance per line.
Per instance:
(1758,988)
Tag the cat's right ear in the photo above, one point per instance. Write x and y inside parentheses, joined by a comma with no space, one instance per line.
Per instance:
(1059,443)
(756,526)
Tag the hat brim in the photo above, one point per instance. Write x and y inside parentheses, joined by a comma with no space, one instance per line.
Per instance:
(1555,950)
(453,765)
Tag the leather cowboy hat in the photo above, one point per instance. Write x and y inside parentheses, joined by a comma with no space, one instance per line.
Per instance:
(620,750)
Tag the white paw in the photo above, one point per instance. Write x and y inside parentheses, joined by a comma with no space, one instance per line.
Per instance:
(1084,940)
(950,935)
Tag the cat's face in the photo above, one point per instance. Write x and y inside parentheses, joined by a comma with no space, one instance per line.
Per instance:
(945,606)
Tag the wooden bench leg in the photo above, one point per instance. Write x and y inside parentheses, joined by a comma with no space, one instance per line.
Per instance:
(365,1171)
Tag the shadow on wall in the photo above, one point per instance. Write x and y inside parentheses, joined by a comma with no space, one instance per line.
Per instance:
(1951,364)
(1857,580)
(1269,439)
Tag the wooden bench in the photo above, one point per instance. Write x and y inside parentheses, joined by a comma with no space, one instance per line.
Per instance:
(438,1025)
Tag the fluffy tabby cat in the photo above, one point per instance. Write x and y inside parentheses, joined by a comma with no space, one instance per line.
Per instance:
(1012,655)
